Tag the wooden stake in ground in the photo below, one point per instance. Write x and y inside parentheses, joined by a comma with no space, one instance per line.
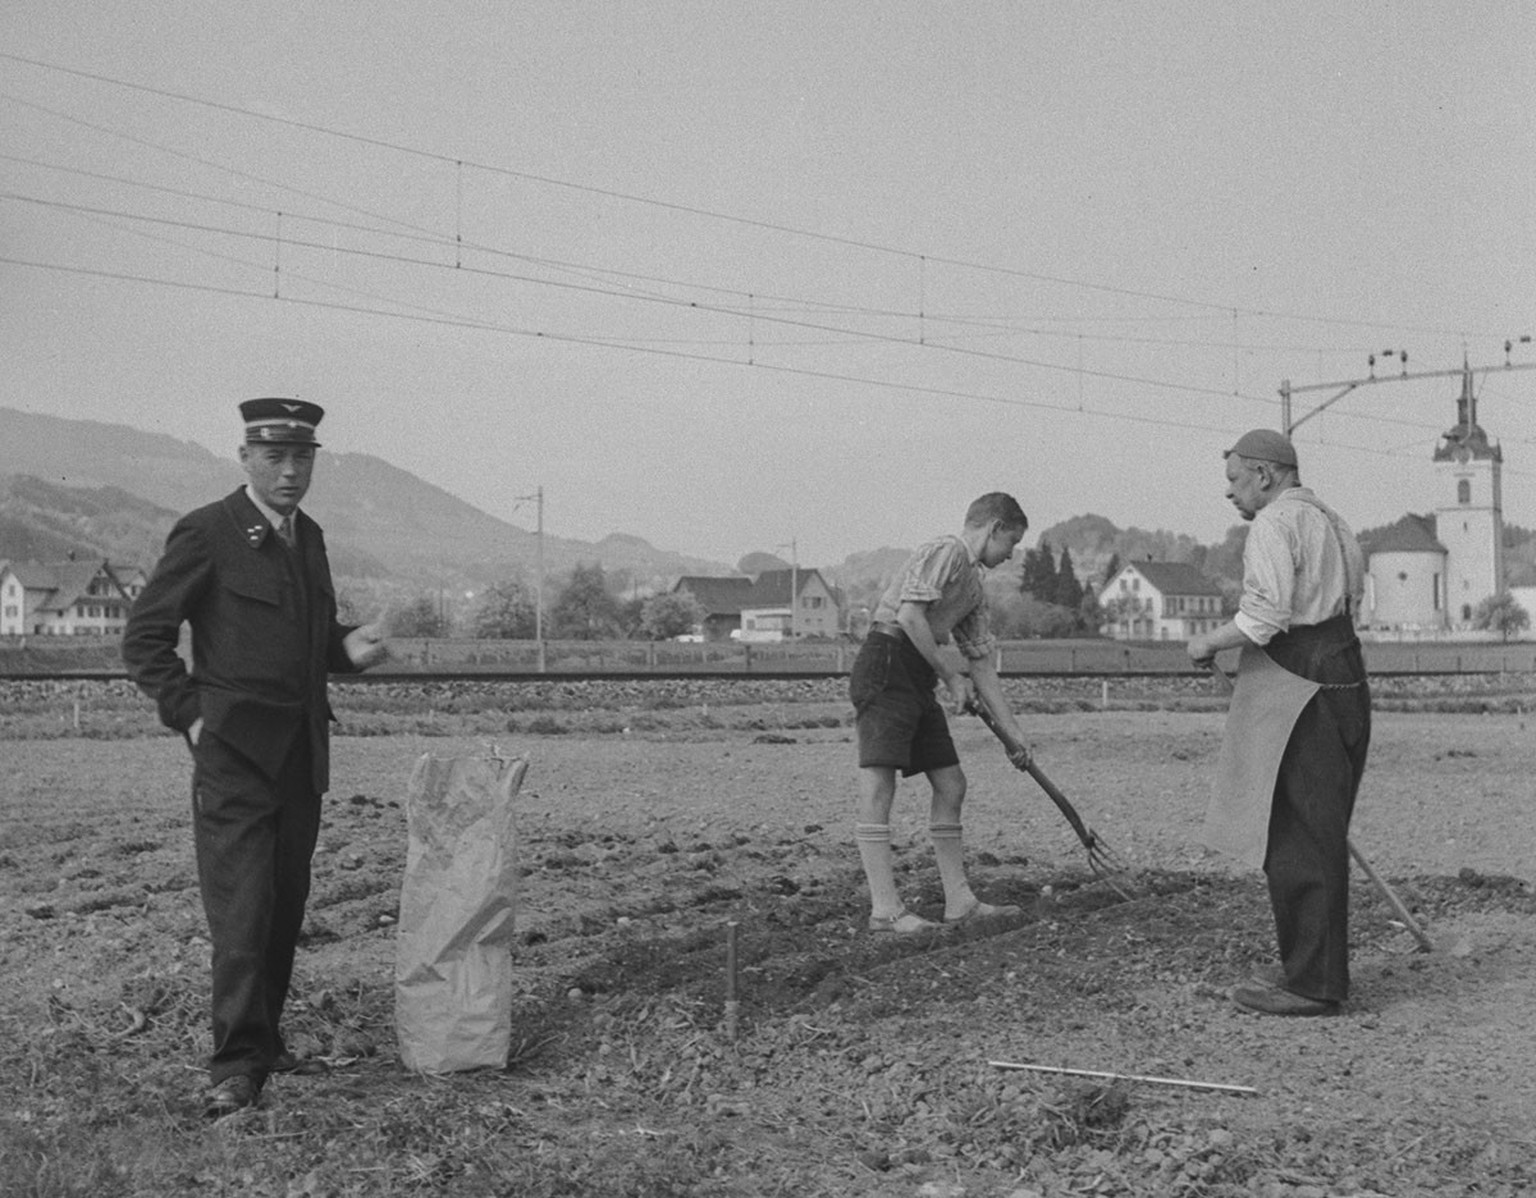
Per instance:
(1126,1077)
(732,1004)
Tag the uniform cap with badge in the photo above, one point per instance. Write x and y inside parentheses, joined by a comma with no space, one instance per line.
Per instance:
(272,421)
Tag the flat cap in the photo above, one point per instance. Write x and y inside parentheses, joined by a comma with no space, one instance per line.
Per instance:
(281,421)
(1266,445)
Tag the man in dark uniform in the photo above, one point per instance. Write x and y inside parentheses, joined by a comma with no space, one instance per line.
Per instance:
(249,574)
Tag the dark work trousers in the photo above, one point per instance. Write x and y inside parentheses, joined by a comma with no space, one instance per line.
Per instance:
(1307,862)
(255,837)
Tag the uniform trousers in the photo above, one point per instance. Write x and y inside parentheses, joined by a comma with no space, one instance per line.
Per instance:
(255,837)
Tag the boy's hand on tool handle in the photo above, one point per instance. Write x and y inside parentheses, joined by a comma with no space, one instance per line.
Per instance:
(1020,757)
(1018,753)
(962,692)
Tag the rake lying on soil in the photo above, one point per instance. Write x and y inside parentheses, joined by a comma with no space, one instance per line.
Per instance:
(1105,863)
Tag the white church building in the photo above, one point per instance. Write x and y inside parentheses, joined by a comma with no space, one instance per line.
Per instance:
(1426,575)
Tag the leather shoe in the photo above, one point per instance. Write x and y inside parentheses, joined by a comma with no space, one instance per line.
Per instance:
(286,1062)
(233,1094)
(1268,975)
(980,910)
(1264,999)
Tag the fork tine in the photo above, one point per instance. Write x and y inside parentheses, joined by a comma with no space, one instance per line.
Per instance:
(1108,867)
(1103,861)
(1113,878)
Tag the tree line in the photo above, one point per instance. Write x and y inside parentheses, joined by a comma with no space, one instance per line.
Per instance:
(584,609)
(1045,599)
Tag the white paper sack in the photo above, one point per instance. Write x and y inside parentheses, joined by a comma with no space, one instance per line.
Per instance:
(458,903)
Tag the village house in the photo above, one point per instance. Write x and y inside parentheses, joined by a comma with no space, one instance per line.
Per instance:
(71,598)
(1160,601)
(776,605)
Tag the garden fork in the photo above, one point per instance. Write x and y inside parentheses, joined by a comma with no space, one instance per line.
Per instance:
(1105,863)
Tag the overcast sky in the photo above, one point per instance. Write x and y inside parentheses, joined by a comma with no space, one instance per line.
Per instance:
(729,276)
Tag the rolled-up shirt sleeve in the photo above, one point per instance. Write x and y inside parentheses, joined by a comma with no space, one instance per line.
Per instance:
(926,573)
(973,635)
(1269,582)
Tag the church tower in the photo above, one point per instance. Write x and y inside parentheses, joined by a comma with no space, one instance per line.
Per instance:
(1469,520)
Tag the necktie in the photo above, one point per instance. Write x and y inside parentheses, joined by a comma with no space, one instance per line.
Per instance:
(285,531)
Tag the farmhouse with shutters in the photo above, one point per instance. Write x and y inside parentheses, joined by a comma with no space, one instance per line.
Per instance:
(1160,601)
(72,598)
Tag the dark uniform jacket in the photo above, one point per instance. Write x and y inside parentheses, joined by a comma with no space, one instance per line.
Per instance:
(264,634)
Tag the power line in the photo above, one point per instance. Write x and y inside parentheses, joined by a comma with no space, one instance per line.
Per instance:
(689,305)
(996,326)
(725,310)
(615,341)
(712,214)
(987,326)
(592,342)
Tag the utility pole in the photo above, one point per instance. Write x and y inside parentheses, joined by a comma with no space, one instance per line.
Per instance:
(794,586)
(538,593)
(1288,422)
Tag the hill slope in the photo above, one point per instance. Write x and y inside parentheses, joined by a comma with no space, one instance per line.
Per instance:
(382,523)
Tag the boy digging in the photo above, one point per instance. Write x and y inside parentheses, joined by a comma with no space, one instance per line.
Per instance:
(937,597)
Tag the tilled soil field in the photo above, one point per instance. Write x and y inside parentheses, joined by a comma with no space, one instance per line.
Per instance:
(654,816)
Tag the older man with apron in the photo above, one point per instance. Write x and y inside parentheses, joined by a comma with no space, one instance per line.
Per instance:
(1299,724)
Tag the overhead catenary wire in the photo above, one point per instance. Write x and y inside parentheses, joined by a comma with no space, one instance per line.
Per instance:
(459,162)
(575,339)
(977,327)
(989,326)
(759,305)
(691,305)
(750,313)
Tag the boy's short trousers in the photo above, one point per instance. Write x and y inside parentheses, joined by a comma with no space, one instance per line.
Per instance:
(896,714)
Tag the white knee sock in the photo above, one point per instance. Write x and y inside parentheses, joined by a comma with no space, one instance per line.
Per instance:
(950,855)
(875,852)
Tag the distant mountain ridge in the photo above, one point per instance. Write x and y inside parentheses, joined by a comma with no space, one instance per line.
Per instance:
(112,489)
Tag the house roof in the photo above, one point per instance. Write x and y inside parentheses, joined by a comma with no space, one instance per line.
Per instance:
(731,596)
(35,576)
(718,596)
(774,588)
(1175,578)
(1411,534)
(61,583)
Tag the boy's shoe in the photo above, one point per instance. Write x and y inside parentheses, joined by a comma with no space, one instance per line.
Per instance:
(903,923)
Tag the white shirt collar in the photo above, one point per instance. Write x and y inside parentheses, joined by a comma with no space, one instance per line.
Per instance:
(275,519)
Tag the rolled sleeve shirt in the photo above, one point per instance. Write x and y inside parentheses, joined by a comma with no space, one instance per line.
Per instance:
(944,577)
(1301,566)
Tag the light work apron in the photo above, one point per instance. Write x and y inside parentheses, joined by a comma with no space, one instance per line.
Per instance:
(1264,707)
(1265,704)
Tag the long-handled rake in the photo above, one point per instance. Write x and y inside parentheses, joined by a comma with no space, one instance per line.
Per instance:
(1106,864)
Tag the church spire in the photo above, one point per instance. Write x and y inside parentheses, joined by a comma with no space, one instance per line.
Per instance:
(1466,406)
(1467,437)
